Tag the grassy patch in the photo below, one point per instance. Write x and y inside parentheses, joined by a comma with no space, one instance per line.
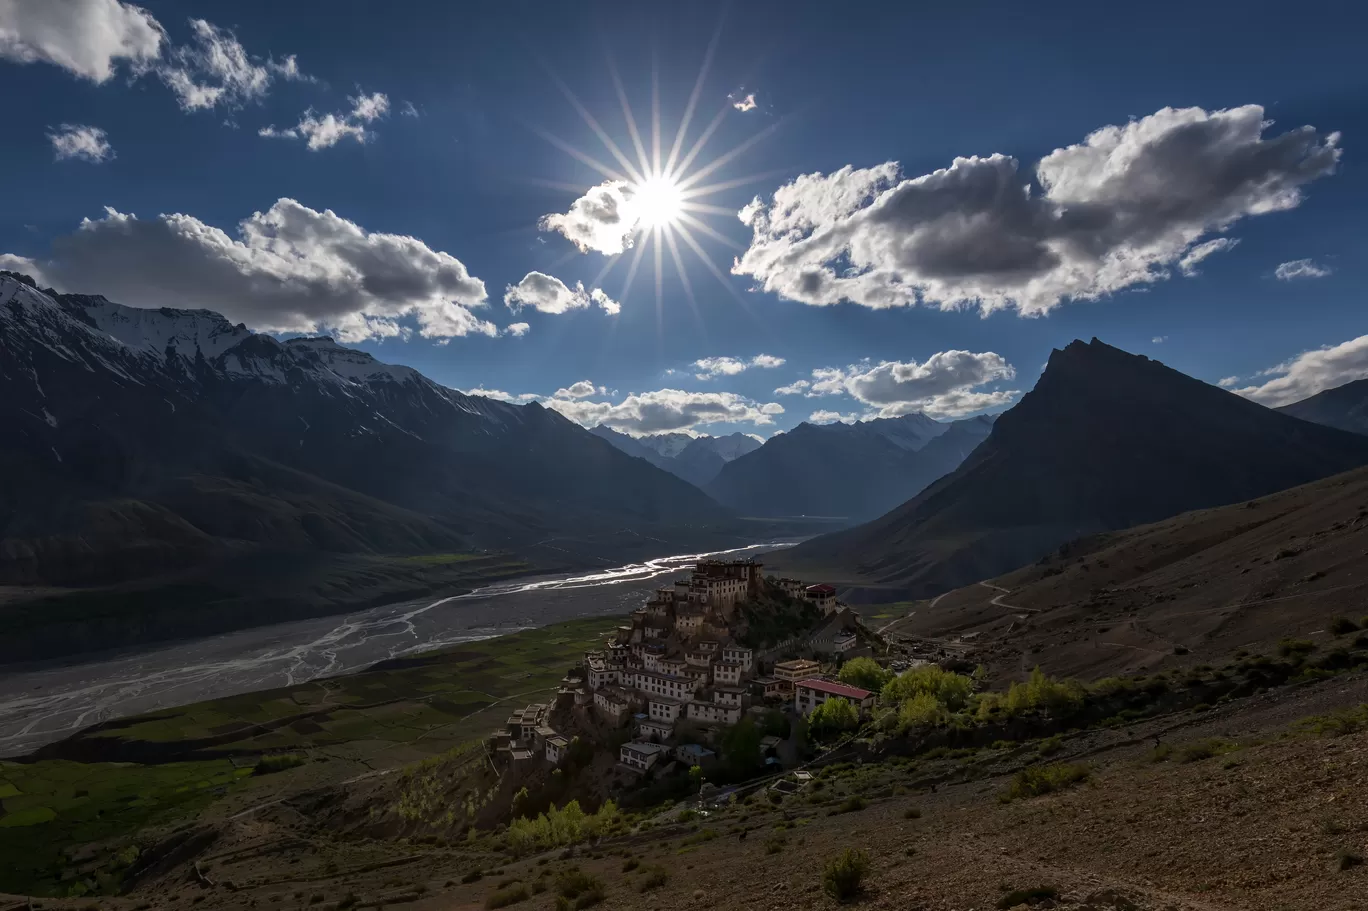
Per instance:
(1335,724)
(279,762)
(1037,780)
(508,896)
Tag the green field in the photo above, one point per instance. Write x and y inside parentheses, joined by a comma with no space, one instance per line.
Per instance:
(347,726)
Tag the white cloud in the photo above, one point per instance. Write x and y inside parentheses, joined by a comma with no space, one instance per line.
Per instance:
(289,269)
(1188,264)
(1159,339)
(501,396)
(330,129)
(832,417)
(1228,382)
(1115,211)
(1300,268)
(666,410)
(940,386)
(216,69)
(797,387)
(1311,372)
(517,330)
(603,219)
(80,143)
(407,109)
(88,38)
(581,390)
(742,102)
(710,367)
(549,294)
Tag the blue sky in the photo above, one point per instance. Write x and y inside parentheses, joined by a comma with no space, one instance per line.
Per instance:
(446,149)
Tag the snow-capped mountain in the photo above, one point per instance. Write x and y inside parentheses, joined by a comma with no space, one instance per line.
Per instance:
(696,459)
(138,440)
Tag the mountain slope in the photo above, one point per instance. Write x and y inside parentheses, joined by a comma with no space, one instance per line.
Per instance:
(854,471)
(1106,440)
(1345,407)
(1186,590)
(143,440)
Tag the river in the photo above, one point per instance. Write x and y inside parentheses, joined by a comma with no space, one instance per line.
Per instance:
(46,702)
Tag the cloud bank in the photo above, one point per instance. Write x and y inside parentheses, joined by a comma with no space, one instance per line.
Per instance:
(1119,209)
(1308,373)
(941,386)
(288,269)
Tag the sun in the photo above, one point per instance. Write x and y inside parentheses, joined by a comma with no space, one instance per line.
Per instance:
(659,201)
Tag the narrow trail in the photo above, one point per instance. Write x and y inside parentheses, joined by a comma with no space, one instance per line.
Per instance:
(998,602)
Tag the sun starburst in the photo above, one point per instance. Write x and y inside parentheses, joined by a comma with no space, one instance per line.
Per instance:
(659,192)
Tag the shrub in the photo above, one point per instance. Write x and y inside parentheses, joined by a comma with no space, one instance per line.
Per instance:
(1205,749)
(1028,896)
(912,813)
(843,874)
(1036,780)
(630,864)
(654,879)
(509,896)
(775,844)
(1341,625)
(1336,724)
(852,804)
(278,762)
(1041,693)
(1344,859)
(579,889)
(1298,647)
(1050,745)
(1161,753)
(568,825)
(472,877)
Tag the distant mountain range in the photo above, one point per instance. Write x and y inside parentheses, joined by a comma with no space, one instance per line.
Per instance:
(696,459)
(141,441)
(1106,440)
(852,471)
(1345,407)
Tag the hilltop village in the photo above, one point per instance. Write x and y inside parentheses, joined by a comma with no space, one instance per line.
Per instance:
(698,656)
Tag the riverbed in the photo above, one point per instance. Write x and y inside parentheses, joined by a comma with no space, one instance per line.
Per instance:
(43,703)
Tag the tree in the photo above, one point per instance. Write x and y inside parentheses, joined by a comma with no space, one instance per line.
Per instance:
(696,776)
(866,673)
(741,748)
(833,717)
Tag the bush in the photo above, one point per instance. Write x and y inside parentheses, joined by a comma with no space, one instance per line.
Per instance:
(1028,896)
(912,813)
(654,879)
(579,890)
(775,844)
(509,896)
(1341,625)
(630,864)
(1295,647)
(1205,749)
(473,876)
(1336,724)
(1344,859)
(1050,745)
(844,873)
(1041,693)
(568,825)
(278,762)
(1036,780)
(852,804)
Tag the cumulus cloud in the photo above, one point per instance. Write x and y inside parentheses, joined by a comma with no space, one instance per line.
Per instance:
(581,390)
(288,269)
(1228,382)
(88,38)
(549,294)
(1300,268)
(941,386)
(330,129)
(666,410)
(517,330)
(1310,372)
(710,367)
(832,417)
(215,69)
(1115,211)
(604,219)
(80,143)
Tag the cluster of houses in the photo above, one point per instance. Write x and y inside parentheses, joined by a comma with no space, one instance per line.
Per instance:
(677,661)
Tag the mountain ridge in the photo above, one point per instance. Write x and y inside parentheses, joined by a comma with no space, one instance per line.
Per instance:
(1106,440)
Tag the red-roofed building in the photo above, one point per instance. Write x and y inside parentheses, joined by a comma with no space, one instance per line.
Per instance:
(822,595)
(808,694)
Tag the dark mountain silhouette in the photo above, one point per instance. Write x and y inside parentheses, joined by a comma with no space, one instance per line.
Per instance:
(1106,440)
(1345,407)
(139,441)
(854,471)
